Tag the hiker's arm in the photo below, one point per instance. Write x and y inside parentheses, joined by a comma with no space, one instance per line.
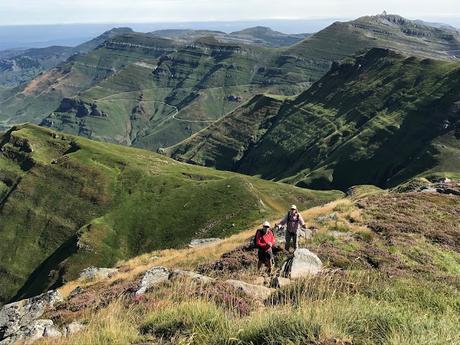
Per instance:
(283,221)
(302,222)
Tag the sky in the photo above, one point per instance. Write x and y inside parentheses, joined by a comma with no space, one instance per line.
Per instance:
(26,12)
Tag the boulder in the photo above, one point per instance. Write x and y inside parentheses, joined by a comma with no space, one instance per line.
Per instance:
(154,276)
(301,264)
(203,242)
(91,273)
(32,331)
(73,327)
(19,314)
(255,291)
(195,277)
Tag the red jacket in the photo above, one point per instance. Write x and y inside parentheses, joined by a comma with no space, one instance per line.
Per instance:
(263,240)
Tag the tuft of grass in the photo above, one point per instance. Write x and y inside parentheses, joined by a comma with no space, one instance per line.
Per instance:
(198,321)
(115,325)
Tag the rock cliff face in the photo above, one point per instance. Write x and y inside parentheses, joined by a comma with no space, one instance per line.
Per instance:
(80,108)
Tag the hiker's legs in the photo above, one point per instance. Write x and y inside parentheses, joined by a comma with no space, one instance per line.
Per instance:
(270,260)
(290,237)
(287,243)
(295,239)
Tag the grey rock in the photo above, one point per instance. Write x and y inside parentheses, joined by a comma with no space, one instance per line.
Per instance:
(203,242)
(52,331)
(19,314)
(341,234)
(195,277)
(32,331)
(255,291)
(73,327)
(91,273)
(302,263)
(154,276)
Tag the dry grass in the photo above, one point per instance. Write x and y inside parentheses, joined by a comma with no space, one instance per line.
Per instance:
(190,258)
(115,325)
(361,305)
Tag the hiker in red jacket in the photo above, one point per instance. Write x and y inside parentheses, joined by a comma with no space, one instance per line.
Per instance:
(264,242)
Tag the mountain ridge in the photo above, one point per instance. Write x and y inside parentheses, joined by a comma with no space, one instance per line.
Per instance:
(340,124)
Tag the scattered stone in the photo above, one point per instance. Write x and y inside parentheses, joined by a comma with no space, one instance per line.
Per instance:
(203,242)
(301,264)
(341,234)
(154,276)
(91,273)
(17,315)
(195,277)
(255,291)
(73,327)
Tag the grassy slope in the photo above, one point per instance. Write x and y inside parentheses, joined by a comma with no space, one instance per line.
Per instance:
(35,100)
(225,142)
(380,119)
(64,196)
(196,81)
(390,279)
(198,77)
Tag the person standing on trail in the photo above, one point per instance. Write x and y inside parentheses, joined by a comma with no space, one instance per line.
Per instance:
(264,241)
(293,220)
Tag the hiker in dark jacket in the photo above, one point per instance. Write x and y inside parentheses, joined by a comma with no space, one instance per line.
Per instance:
(293,220)
(264,241)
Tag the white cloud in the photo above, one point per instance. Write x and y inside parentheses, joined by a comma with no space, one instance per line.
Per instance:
(97,11)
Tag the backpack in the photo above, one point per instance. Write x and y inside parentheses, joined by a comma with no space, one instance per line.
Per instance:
(289,217)
(254,241)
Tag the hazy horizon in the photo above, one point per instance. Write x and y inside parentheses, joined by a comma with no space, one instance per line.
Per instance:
(43,35)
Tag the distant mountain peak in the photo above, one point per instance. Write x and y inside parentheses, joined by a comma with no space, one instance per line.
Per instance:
(255,29)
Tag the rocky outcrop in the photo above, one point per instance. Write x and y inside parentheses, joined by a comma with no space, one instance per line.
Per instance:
(203,242)
(195,277)
(79,107)
(97,273)
(154,276)
(422,185)
(33,331)
(19,320)
(302,263)
(255,291)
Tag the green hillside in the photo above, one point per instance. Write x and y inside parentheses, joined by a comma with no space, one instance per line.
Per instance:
(152,104)
(67,203)
(154,92)
(379,119)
